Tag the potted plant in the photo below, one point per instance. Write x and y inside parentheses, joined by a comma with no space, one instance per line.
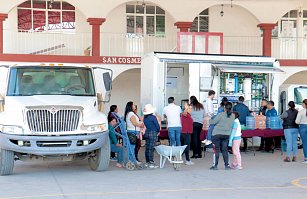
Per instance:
(87,51)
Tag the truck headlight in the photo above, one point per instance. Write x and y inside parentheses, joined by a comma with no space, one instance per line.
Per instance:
(94,128)
(17,130)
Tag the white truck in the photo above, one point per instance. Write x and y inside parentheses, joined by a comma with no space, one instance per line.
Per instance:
(54,112)
(292,92)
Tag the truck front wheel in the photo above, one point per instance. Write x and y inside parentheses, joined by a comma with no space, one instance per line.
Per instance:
(99,160)
(6,162)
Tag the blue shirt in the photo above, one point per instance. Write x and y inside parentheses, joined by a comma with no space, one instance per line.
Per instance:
(271,112)
(243,111)
(151,123)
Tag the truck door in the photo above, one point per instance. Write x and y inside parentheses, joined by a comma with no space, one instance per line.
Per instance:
(103,83)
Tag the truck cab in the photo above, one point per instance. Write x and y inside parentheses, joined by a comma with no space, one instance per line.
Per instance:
(54,112)
(292,92)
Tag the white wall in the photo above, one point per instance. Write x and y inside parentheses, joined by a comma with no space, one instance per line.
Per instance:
(126,87)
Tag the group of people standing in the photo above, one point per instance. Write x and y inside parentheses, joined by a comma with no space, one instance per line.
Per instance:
(294,123)
(185,127)
(145,127)
(224,130)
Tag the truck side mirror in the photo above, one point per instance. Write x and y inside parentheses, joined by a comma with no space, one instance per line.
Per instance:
(107,80)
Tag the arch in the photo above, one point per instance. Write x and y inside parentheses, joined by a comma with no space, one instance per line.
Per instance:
(297,78)
(120,3)
(15,3)
(225,6)
(126,87)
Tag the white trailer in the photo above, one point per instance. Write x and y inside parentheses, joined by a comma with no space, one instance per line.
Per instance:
(53,112)
(199,72)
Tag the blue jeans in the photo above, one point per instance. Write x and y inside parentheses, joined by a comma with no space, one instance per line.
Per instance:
(174,135)
(210,130)
(291,139)
(303,134)
(119,151)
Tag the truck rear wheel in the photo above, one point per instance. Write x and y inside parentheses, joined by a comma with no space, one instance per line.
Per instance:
(6,162)
(101,158)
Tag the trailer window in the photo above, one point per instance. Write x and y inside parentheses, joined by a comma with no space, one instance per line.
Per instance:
(300,93)
(50,81)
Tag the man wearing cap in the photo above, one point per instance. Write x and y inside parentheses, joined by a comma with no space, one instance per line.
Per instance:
(151,133)
(172,113)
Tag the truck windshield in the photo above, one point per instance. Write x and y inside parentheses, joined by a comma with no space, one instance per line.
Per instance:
(300,93)
(41,80)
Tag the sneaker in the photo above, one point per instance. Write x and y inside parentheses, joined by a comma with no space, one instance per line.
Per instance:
(138,162)
(189,163)
(213,168)
(305,162)
(227,167)
(238,168)
(287,159)
(113,159)
(194,157)
(208,142)
(204,141)
(152,165)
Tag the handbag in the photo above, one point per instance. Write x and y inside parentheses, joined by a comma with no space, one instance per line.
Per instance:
(132,138)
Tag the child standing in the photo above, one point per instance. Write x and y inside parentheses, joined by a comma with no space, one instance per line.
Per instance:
(151,134)
(187,130)
(235,142)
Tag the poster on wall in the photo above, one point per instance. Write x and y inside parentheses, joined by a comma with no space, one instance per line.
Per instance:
(171,82)
(288,28)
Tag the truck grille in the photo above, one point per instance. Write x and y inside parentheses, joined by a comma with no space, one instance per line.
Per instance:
(53,119)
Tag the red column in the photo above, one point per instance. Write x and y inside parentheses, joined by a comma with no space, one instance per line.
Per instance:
(2,19)
(267,38)
(183,26)
(96,23)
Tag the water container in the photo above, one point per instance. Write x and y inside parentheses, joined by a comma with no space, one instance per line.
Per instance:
(206,122)
(275,122)
(267,123)
(260,121)
(250,122)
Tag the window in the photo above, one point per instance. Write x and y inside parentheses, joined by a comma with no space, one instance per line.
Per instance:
(288,24)
(201,22)
(148,19)
(37,80)
(46,15)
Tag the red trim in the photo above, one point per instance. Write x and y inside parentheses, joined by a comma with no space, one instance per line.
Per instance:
(2,18)
(183,26)
(96,23)
(70,59)
(267,38)
(294,62)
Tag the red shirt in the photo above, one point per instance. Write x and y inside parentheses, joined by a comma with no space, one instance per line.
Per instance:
(187,123)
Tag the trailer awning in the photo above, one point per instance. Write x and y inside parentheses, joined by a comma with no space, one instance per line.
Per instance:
(226,63)
(248,68)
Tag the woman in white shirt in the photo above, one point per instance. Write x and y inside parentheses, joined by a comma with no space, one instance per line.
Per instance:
(132,121)
(301,120)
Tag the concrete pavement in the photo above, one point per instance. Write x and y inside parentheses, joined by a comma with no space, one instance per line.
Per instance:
(264,176)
